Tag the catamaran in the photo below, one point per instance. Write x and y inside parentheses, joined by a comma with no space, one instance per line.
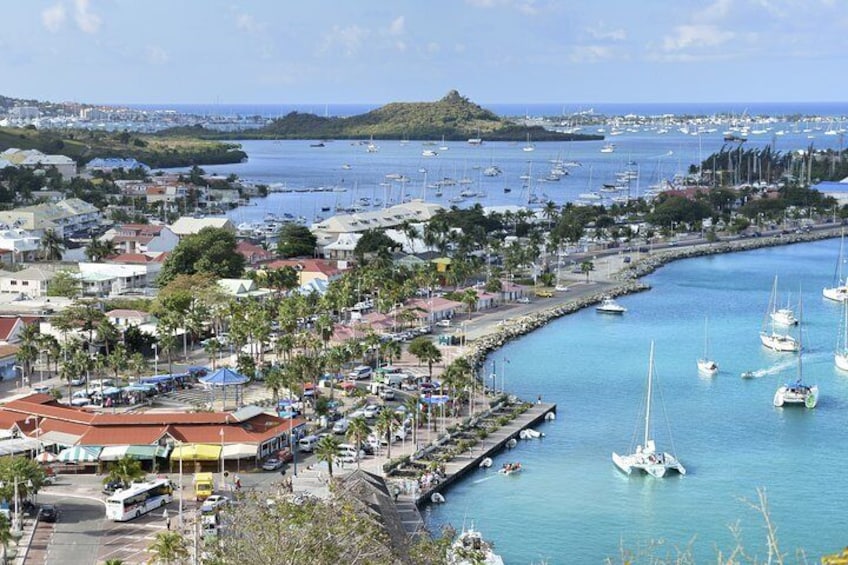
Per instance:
(840,358)
(839,290)
(769,336)
(797,392)
(647,458)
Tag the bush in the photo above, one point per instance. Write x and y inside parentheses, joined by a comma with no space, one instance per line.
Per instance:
(482,433)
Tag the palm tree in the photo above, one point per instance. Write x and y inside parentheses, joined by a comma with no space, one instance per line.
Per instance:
(387,421)
(212,348)
(97,250)
(117,359)
(357,433)
(52,246)
(28,351)
(469,298)
(51,348)
(413,407)
(424,350)
(126,470)
(168,547)
(327,449)
(391,350)
(587,267)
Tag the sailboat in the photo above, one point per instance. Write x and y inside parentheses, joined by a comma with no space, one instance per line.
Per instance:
(529,146)
(840,358)
(769,336)
(371,147)
(839,291)
(784,316)
(797,392)
(646,458)
(707,366)
(443,146)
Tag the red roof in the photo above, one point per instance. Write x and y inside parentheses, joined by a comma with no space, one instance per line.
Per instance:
(131,258)
(8,324)
(253,253)
(322,266)
(123,435)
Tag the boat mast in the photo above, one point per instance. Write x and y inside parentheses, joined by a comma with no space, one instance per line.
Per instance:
(648,406)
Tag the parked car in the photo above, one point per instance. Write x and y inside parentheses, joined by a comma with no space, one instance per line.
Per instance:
(272,464)
(216,500)
(444,323)
(112,486)
(387,394)
(341,426)
(49,513)
(41,389)
(80,398)
(523,300)
(78,381)
(372,411)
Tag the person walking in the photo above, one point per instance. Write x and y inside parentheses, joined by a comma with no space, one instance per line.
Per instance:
(167,519)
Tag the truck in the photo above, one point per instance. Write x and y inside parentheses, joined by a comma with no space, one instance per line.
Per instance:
(204,486)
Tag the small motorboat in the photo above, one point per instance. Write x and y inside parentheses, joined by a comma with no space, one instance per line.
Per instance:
(437,498)
(530,433)
(748,375)
(486,463)
(550,416)
(511,443)
(510,468)
(523,434)
(610,306)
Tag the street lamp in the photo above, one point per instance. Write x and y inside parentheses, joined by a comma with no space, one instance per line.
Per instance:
(155,359)
(222,458)
(16,522)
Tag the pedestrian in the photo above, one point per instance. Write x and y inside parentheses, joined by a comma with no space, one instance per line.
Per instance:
(167,519)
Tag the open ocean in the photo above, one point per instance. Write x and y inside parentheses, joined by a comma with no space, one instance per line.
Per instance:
(571,505)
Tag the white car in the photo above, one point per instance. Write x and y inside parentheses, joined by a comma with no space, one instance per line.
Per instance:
(523,300)
(372,411)
(341,426)
(216,500)
(444,323)
(78,381)
(80,398)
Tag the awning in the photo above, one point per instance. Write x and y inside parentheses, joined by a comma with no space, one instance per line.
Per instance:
(17,445)
(140,387)
(110,391)
(239,451)
(434,399)
(80,454)
(59,438)
(45,457)
(113,452)
(196,452)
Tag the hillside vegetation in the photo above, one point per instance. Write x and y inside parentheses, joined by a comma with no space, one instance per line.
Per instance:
(454,117)
(155,151)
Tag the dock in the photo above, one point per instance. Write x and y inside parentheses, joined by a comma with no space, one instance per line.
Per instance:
(468,462)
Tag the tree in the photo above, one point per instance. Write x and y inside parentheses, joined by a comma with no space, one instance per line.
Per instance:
(28,351)
(52,246)
(211,251)
(587,267)
(374,243)
(168,547)
(386,424)
(64,284)
(327,449)
(425,351)
(99,249)
(29,474)
(296,241)
(357,433)
(469,298)
(126,470)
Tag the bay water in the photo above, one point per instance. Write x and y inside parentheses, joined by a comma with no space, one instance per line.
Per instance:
(571,505)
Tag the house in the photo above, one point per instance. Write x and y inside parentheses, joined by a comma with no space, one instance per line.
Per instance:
(19,245)
(142,238)
(511,292)
(241,288)
(103,279)
(342,248)
(35,159)
(165,194)
(31,282)
(189,226)
(65,217)
(253,254)
(485,300)
(431,310)
(8,361)
(10,328)
(124,318)
(309,269)
(108,164)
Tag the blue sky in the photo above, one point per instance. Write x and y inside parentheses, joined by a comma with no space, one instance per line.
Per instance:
(377,51)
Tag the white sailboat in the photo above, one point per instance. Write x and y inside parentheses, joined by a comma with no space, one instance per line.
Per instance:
(646,458)
(784,316)
(769,336)
(706,365)
(839,290)
(528,146)
(840,358)
(798,392)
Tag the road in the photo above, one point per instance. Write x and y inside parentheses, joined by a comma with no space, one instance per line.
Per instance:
(76,536)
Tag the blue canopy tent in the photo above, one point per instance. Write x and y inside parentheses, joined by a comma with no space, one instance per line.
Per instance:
(223,378)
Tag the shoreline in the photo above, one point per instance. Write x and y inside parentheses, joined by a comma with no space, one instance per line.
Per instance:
(624,282)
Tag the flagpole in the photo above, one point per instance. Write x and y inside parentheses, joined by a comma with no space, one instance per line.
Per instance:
(503,376)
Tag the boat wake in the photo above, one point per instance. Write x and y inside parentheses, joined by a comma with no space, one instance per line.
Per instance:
(484,479)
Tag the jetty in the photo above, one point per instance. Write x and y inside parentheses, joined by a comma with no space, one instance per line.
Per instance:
(464,463)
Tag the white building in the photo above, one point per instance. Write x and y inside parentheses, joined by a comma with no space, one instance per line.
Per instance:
(190,226)
(17,245)
(142,238)
(35,159)
(31,282)
(64,217)
(101,279)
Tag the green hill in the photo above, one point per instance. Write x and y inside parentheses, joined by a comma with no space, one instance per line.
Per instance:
(454,117)
(155,151)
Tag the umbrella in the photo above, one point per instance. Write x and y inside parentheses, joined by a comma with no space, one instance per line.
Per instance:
(224,377)
(45,457)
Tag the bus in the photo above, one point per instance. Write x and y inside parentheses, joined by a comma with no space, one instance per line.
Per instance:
(139,499)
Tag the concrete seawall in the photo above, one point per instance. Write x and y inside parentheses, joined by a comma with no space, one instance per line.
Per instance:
(467,462)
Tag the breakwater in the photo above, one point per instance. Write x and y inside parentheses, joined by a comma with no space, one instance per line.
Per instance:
(627,281)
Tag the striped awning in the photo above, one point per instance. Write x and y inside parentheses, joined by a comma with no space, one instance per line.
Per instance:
(239,451)
(80,454)
(113,452)
(144,452)
(196,452)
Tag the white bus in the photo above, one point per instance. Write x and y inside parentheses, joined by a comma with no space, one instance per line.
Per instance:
(139,499)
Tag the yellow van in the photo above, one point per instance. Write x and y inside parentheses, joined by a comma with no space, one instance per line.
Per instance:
(204,486)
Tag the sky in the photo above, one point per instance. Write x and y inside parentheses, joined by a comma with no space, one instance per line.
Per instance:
(379,51)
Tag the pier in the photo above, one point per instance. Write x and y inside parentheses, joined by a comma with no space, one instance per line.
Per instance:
(465,463)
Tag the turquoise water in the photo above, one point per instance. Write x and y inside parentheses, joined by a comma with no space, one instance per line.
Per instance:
(571,505)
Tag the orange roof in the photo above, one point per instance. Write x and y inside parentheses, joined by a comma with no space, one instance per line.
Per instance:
(130,258)
(163,418)
(307,266)
(123,435)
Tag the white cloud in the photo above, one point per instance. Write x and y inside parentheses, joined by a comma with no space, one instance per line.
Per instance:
(524,6)
(246,22)
(53,17)
(398,25)
(696,36)
(349,39)
(590,53)
(157,55)
(715,11)
(86,20)
(602,32)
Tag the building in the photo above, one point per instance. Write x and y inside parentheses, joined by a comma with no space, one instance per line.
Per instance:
(190,226)
(308,269)
(123,318)
(837,190)
(11,327)
(253,254)
(342,249)
(17,245)
(105,279)
(241,288)
(65,217)
(108,164)
(142,238)
(34,159)
(167,194)
(31,282)
(248,433)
